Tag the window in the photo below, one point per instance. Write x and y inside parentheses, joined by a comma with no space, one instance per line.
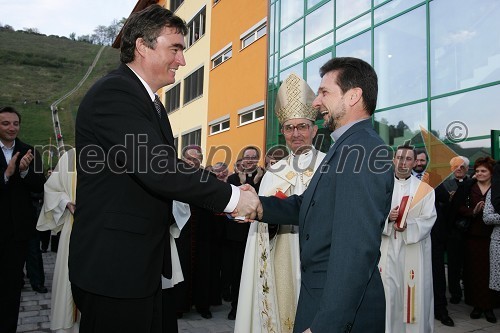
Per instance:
(174,4)
(253,33)
(251,113)
(173,98)
(196,28)
(222,55)
(191,138)
(219,126)
(193,85)
(215,1)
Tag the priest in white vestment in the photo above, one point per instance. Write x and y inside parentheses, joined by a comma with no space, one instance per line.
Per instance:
(405,263)
(270,280)
(57,215)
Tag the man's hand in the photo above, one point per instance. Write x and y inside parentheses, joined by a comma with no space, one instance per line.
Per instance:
(249,205)
(71,207)
(11,168)
(308,331)
(393,215)
(25,161)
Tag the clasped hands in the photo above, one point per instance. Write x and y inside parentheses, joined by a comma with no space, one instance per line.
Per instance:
(249,207)
(23,163)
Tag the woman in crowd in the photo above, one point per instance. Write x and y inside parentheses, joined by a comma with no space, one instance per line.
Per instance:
(470,203)
(491,217)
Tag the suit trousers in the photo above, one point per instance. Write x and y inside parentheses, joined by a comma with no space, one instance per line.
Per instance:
(455,251)
(102,314)
(34,262)
(439,278)
(12,256)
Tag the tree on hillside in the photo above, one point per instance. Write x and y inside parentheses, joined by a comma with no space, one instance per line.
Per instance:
(72,36)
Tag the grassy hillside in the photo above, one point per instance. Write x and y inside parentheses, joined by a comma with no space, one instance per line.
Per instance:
(36,70)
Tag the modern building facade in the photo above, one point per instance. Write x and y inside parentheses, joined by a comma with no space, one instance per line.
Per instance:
(186,101)
(438,63)
(238,60)
(218,99)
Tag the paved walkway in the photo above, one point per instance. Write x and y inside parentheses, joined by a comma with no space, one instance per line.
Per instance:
(35,312)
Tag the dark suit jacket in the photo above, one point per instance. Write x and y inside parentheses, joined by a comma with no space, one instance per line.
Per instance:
(15,196)
(128,174)
(340,218)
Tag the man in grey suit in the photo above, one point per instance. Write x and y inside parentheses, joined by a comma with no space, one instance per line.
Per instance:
(342,212)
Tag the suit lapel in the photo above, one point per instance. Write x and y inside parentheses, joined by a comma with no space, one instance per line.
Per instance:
(163,122)
(326,167)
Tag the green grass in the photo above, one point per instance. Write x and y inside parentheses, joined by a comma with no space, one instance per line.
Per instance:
(40,69)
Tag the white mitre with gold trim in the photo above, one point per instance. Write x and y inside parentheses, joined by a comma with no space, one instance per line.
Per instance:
(294,100)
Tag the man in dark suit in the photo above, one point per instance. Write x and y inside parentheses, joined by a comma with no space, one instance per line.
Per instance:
(342,212)
(21,172)
(128,175)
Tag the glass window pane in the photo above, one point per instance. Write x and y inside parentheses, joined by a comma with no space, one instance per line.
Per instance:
(362,23)
(358,47)
(319,45)
(261,32)
(297,69)
(290,11)
(225,124)
(246,117)
(249,40)
(312,3)
(313,78)
(271,29)
(319,21)
(259,113)
(401,60)
(291,59)
(399,125)
(472,149)
(465,52)
(463,109)
(348,9)
(292,37)
(392,8)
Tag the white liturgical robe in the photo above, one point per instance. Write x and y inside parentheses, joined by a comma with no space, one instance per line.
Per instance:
(405,262)
(270,279)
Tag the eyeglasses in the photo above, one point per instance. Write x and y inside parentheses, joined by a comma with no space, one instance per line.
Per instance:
(301,128)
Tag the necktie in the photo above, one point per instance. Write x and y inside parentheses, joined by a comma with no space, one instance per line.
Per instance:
(419,176)
(158,105)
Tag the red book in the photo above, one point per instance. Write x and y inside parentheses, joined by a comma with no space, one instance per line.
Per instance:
(280,195)
(404,207)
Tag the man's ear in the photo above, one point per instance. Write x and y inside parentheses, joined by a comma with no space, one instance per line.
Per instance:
(355,95)
(140,46)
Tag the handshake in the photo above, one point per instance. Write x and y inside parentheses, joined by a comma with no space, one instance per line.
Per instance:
(249,207)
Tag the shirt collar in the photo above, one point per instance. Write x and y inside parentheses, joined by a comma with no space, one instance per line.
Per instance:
(152,95)
(4,147)
(341,130)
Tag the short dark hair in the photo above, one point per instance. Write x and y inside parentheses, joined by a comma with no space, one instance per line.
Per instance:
(248,148)
(10,109)
(147,24)
(408,146)
(355,73)
(486,161)
(421,151)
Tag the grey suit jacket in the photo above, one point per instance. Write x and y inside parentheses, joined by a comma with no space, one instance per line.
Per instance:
(340,218)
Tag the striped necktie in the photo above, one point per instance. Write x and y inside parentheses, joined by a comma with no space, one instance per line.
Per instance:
(158,105)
